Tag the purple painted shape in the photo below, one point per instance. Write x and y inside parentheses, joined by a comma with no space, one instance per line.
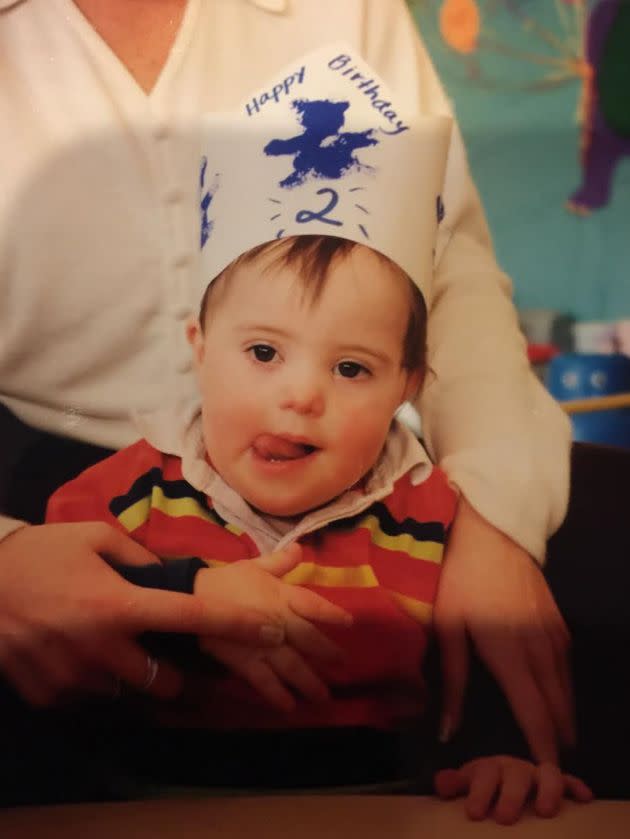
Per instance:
(604,147)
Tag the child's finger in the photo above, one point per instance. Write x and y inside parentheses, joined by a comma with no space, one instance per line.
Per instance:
(550,790)
(281,562)
(515,784)
(577,789)
(484,781)
(450,783)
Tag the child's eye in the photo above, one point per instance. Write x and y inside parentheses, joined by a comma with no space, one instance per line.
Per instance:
(263,352)
(351,369)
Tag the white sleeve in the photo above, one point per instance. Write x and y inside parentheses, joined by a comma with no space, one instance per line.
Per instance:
(486,419)
(9,526)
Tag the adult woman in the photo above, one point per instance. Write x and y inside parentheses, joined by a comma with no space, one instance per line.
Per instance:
(92,108)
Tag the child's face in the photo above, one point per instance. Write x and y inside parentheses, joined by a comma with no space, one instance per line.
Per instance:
(297,397)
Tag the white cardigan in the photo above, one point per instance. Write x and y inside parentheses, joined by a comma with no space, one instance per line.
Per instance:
(98,239)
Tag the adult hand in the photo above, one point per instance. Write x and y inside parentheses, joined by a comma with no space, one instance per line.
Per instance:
(501,786)
(68,621)
(256,583)
(492,592)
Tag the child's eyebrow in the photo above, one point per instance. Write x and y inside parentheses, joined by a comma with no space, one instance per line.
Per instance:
(263,327)
(359,348)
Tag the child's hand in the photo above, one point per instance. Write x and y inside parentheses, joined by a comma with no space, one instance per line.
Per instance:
(502,785)
(271,671)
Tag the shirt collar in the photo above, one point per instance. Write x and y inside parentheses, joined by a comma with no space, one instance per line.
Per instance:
(176,430)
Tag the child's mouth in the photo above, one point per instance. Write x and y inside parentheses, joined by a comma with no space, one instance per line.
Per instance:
(276,449)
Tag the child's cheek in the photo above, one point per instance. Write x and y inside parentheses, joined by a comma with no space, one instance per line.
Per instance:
(363,431)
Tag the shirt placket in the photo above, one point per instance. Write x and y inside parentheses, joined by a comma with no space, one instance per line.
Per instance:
(173,197)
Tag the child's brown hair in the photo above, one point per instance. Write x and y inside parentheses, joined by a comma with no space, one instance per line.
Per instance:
(312,257)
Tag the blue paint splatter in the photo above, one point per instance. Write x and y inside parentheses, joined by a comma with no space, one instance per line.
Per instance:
(440,208)
(321,151)
(207,224)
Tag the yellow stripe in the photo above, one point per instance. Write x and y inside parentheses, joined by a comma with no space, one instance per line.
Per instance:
(237,531)
(417,609)
(359,576)
(138,513)
(405,543)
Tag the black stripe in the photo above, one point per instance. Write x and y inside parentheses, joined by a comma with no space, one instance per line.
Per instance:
(144,486)
(421,531)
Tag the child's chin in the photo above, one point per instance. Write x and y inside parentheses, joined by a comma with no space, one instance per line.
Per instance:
(283,510)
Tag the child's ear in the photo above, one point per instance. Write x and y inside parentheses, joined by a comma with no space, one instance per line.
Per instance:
(194,336)
(415,379)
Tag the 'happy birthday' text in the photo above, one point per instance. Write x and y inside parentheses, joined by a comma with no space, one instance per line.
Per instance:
(278,90)
(371,89)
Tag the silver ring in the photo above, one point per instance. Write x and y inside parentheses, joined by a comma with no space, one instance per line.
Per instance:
(152,671)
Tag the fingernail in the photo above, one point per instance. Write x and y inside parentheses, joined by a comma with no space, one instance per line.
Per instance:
(446,729)
(272,633)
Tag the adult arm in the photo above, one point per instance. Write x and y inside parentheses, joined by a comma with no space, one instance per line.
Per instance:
(68,621)
(494,430)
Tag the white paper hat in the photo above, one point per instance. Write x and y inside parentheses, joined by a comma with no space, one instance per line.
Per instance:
(323,149)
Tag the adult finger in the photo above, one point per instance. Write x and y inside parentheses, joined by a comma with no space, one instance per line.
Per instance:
(117,547)
(545,665)
(516,781)
(27,680)
(313,607)
(550,790)
(562,652)
(167,611)
(41,668)
(294,671)
(308,640)
(528,705)
(454,662)
(130,663)
(263,679)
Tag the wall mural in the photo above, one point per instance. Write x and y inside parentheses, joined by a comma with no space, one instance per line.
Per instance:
(542,92)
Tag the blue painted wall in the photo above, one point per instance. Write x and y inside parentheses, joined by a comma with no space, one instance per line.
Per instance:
(523,147)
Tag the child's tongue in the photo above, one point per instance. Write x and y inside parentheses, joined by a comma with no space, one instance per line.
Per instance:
(271,447)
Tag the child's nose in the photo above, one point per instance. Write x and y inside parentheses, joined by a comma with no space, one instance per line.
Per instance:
(304,394)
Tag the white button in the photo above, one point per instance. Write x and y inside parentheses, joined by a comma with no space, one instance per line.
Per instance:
(184,364)
(174,195)
(181,311)
(160,130)
(182,260)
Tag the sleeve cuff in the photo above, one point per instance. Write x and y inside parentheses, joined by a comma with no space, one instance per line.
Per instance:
(169,575)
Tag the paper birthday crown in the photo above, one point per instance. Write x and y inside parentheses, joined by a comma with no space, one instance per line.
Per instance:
(323,149)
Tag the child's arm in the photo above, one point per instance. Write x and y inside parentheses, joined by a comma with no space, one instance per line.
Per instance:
(500,786)
(256,583)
